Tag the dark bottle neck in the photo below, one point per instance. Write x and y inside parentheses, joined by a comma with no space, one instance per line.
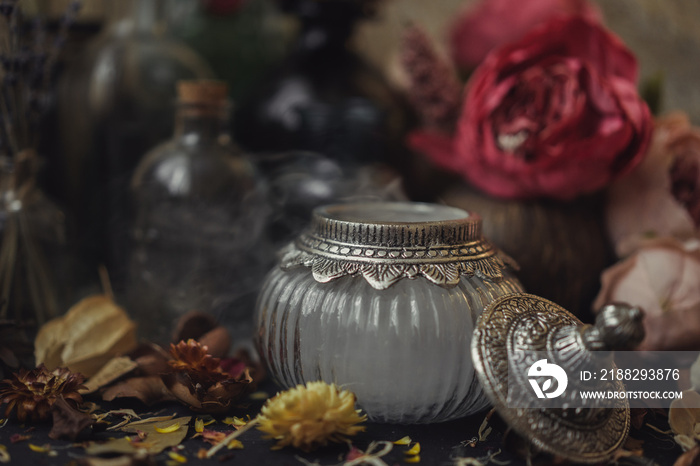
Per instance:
(326,24)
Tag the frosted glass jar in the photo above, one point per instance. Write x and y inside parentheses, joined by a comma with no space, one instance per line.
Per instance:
(382,299)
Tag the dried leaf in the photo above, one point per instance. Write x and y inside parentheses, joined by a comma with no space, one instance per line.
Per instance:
(193,325)
(689,458)
(149,390)
(91,333)
(217,341)
(151,359)
(115,368)
(68,422)
(155,442)
(126,460)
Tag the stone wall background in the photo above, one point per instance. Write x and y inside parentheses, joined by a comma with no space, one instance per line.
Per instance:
(664,34)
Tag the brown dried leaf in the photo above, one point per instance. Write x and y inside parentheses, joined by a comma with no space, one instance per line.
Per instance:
(110,372)
(689,458)
(68,422)
(193,325)
(151,359)
(149,390)
(91,333)
(217,341)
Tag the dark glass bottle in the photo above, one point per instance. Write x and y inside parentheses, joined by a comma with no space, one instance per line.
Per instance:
(115,103)
(199,215)
(324,98)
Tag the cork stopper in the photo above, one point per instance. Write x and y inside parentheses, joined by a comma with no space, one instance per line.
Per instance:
(202,92)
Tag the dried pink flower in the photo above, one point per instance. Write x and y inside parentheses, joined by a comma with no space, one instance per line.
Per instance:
(663,278)
(661,197)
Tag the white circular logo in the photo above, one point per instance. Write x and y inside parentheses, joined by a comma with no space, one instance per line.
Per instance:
(551,373)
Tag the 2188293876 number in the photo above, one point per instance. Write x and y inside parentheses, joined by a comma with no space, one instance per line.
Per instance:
(639,374)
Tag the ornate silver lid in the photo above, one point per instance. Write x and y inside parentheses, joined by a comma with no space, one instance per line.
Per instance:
(387,241)
(514,332)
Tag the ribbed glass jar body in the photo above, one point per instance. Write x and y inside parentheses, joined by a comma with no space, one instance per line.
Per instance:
(403,348)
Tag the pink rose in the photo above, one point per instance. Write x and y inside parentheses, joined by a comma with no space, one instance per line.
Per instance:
(490,24)
(556,115)
(663,278)
(661,197)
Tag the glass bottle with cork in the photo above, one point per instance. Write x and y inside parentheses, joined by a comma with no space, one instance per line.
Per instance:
(199,212)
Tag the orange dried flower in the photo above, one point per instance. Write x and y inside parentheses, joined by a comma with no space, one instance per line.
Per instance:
(192,357)
(33,392)
(199,381)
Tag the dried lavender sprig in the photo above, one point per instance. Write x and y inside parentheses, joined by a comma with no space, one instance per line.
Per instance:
(27,62)
(67,21)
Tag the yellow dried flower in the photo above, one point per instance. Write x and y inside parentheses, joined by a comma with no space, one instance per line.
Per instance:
(310,416)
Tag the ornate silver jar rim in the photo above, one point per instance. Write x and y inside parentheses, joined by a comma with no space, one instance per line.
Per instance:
(387,241)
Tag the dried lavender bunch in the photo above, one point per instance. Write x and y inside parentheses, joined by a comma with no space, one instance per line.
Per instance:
(434,90)
(28,59)
(28,56)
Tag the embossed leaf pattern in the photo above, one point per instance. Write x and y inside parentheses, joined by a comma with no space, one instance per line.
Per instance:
(382,274)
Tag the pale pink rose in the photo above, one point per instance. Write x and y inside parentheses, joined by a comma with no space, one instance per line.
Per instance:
(661,197)
(663,278)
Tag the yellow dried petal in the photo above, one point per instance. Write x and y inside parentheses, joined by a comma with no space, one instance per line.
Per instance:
(415,449)
(403,441)
(4,455)
(235,421)
(412,459)
(235,444)
(168,429)
(199,425)
(39,449)
(259,396)
(177,457)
